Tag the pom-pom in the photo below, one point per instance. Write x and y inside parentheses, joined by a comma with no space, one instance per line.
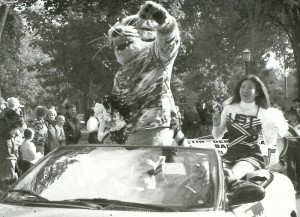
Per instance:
(274,125)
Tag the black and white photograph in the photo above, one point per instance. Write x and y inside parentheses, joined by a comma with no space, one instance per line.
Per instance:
(154,108)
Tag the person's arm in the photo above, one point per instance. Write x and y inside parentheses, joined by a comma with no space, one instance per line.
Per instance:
(62,134)
(219,124)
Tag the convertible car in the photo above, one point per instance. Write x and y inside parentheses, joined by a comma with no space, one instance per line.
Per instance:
(125,181)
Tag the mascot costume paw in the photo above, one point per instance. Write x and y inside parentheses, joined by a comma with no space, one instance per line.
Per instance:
(146,45)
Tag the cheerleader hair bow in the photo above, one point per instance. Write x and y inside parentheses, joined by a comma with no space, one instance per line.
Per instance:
(274,125)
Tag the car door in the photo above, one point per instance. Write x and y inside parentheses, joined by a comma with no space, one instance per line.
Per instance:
(279,200)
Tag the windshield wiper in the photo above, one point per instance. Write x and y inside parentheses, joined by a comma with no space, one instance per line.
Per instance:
(75,203)
(109,204)
(85,202)
(28,193)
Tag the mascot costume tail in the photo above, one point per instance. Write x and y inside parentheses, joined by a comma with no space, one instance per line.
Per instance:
(146,45)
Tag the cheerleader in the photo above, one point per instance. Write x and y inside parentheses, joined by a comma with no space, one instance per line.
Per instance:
(244,118)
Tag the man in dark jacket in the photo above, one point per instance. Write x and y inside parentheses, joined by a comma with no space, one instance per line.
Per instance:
(72,125)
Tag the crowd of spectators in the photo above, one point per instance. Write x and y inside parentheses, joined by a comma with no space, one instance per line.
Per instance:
(23,143)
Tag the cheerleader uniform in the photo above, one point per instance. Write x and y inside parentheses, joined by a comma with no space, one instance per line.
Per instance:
(241,122)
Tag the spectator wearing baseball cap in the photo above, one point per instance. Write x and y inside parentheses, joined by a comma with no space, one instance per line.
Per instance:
(14,104)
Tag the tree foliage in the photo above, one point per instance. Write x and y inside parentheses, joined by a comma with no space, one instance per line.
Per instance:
(14,77)
(286,15)
(71,36)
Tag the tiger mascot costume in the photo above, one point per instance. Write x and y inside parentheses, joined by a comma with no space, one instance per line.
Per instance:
(146,45)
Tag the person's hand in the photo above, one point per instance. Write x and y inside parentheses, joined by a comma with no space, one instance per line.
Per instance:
(216,118)
(154,11)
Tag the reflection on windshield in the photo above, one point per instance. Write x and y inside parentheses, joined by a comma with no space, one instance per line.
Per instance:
(167,176)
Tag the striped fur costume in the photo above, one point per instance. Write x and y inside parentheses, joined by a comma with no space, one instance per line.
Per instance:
(146,45)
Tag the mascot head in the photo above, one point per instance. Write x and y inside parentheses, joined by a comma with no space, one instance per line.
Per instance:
(131,37)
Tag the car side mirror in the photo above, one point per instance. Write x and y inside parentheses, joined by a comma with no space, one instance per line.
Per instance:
(246,193)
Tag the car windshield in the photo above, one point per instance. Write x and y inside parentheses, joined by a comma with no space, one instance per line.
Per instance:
(165,176)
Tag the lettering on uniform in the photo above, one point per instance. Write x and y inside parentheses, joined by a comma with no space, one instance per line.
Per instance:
(243,119)
(240,118)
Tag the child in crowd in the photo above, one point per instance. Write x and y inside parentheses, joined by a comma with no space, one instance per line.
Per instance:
(60,130)
(28,151)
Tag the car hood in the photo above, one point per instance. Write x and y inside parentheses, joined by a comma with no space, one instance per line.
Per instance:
(25,211)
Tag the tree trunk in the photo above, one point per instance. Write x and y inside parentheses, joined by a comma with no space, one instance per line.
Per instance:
(255,10)
(293,17)
(3,14)
(296,50)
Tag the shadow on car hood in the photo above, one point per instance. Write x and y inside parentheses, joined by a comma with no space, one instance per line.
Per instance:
(25,211)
